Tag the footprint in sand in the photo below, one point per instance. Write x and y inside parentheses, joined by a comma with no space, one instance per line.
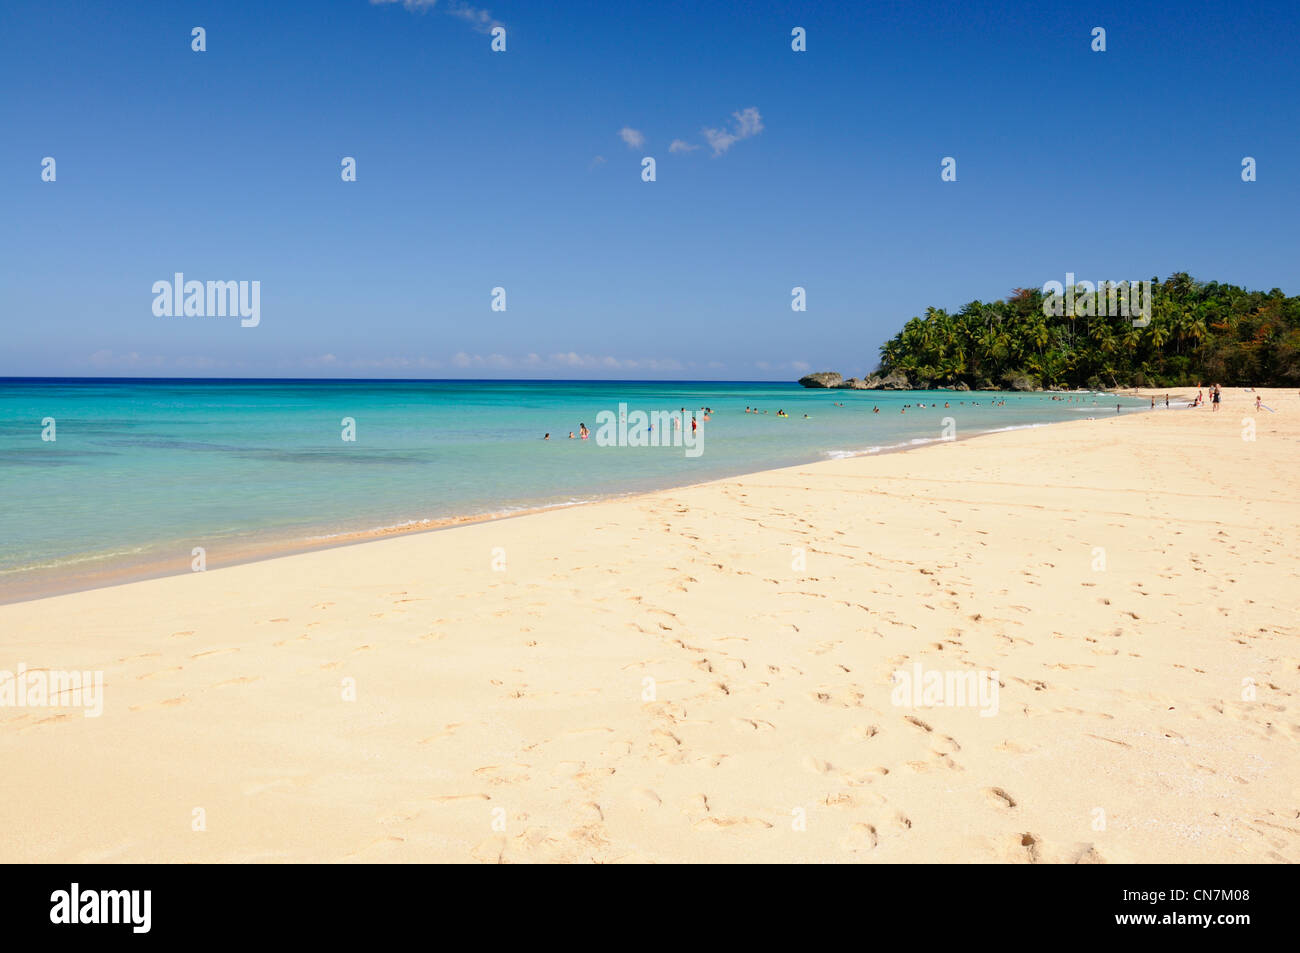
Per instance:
(62,716)
(860,733)
(446,798)
(860,838)
(165,703)
(225,651)
(158,674)
(731,823)
(447,732)
(1000,798)
(645,800)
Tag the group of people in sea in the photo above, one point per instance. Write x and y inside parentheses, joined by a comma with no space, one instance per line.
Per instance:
(705,413)
(582,429)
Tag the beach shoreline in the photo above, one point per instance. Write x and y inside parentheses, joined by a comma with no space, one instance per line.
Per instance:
(709,672)
(100,572)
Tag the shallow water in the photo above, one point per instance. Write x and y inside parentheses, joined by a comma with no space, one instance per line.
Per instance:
(143,471)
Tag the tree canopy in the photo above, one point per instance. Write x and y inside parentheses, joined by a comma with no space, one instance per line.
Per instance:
(1198,332)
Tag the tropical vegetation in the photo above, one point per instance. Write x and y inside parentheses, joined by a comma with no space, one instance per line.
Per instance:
(1198,332)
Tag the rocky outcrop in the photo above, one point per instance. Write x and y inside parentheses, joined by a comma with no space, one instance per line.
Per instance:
(894,380)
(822,379)
(1016,380)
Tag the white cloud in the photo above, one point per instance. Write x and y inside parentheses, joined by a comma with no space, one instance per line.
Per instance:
(633,138)
(598,161)
(106,359)
(747,124)
(681,145)
(478,18)
(565,360)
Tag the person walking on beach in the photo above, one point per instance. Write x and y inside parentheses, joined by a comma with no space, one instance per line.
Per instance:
(1215,398)
(1258,401)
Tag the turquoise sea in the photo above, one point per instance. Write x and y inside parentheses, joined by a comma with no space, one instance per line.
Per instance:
(142,471)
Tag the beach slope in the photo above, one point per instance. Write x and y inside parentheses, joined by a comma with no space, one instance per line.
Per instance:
(706,674)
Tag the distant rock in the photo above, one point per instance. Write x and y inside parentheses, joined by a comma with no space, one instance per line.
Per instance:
(822,379)
(894,380)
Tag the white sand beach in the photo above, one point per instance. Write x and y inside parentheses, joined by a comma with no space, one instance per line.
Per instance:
(705,674)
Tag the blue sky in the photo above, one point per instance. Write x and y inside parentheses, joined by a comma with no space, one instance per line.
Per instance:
(479,169)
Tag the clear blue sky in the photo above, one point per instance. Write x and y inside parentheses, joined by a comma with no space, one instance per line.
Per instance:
(478,169)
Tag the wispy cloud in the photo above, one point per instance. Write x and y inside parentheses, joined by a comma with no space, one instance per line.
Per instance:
(747,124)
(681,145)
(479,19)
(107,360)
(476,17)
(634,138)
(596,163)
(566,360)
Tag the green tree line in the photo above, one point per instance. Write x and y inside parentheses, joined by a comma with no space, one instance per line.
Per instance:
(1198,332)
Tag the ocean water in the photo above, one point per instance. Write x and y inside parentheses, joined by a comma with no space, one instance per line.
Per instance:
(143,471)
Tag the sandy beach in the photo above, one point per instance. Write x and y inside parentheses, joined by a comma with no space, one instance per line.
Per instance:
(707,674)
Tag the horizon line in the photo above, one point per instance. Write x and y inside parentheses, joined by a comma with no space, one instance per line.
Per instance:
(410,380)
